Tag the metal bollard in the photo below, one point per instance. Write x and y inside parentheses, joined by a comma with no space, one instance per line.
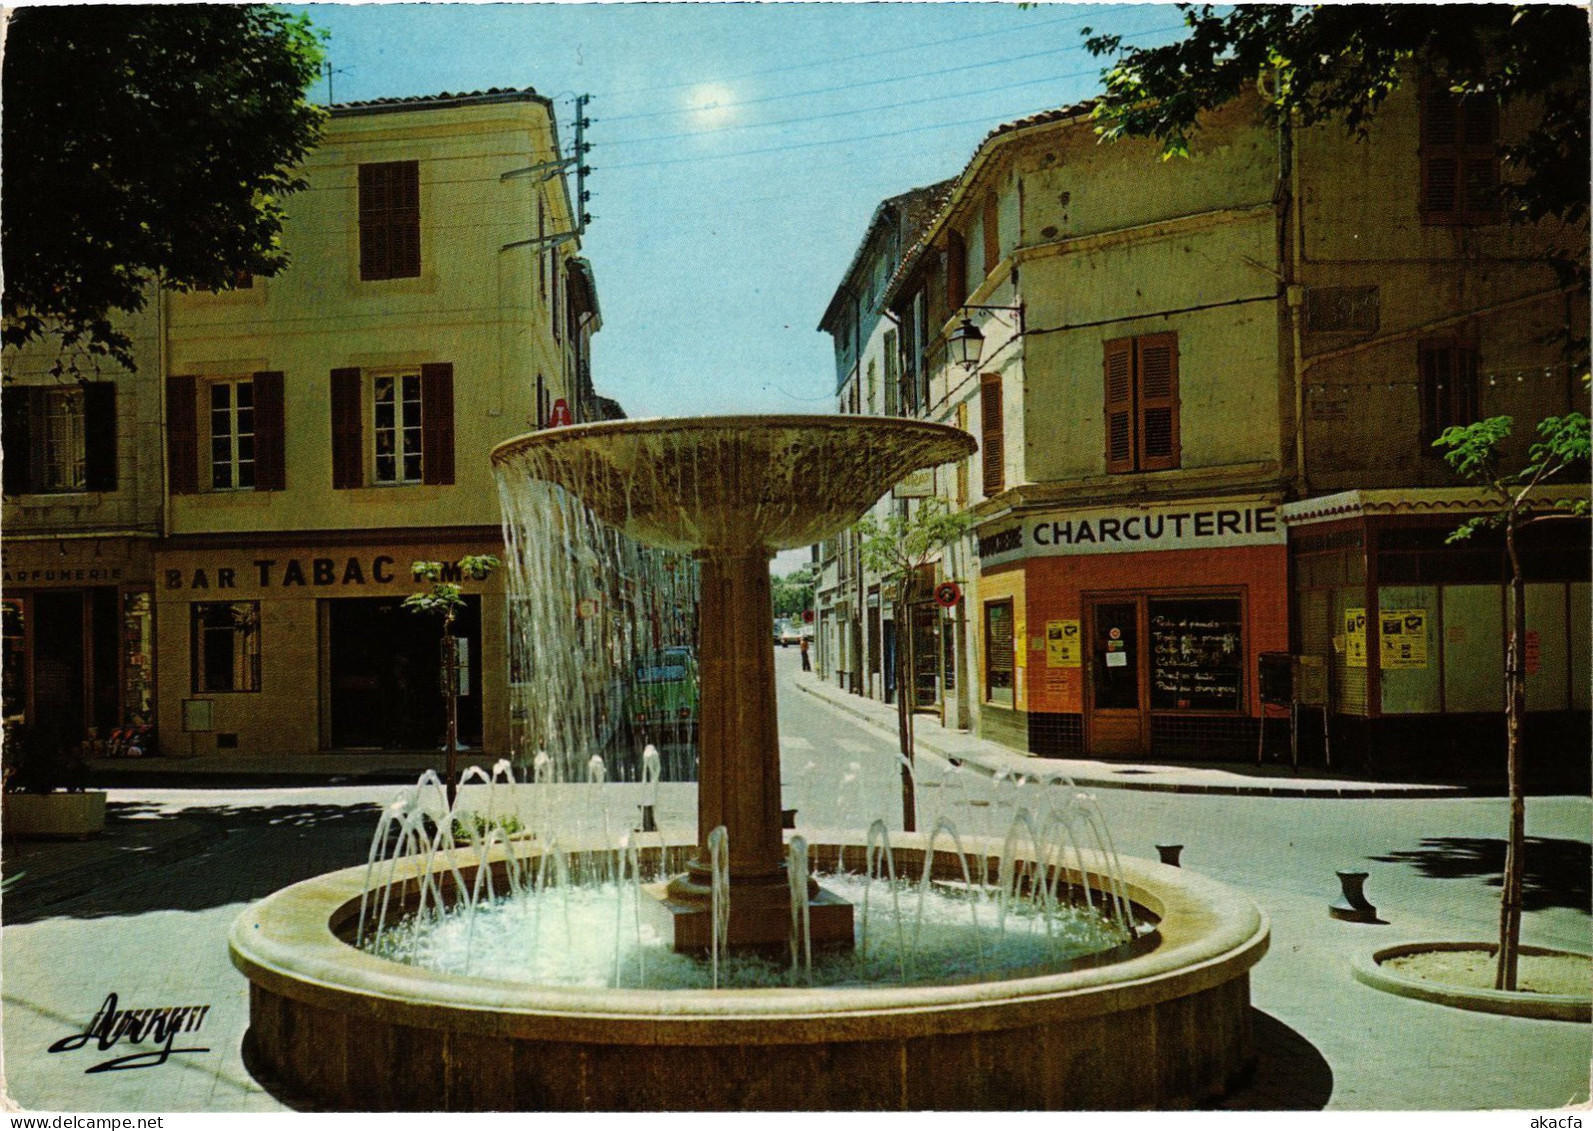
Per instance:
(1169,853)
(1352,906)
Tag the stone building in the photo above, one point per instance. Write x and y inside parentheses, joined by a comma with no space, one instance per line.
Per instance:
(291,446)
(1205,392)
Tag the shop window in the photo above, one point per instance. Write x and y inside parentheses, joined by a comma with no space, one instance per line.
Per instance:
(1197,654)
(992,434)
(231,435)
(1459,158)
(389,219)
(1447,372)
(1142,403)
(411,427)
(225,646)
(14,674)
(1000,659)
(59,439)
(138,657)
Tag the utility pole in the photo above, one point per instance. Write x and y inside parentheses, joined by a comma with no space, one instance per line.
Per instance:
(582,147)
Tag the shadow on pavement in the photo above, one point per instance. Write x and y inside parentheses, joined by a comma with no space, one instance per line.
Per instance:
(154,858)
(1290,1074)
(1556,872)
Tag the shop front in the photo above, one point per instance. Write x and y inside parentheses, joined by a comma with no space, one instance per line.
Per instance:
(285,649)
(78,638)
(1123,632)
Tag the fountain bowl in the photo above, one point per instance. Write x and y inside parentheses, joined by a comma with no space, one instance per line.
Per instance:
(732,482)
(1161,1023)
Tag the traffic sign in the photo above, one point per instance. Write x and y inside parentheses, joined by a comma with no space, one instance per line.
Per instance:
(807,616)
(561,414)
(947,594)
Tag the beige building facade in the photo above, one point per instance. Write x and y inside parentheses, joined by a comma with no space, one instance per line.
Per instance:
(317,433)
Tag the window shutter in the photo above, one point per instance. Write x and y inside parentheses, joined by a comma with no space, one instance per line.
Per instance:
(270,433)
(956,272)
(99,436)
(1157,369)
(182,435)
(348,434)
(389,220)
(1119,366)
(992,234)
(16,410)
(991,427)
(437,423)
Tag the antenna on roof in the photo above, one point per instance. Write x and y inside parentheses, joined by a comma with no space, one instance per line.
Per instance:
(328,71)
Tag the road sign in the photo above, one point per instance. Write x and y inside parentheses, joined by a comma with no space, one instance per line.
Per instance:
(947,594)
(807,616)
(561,414)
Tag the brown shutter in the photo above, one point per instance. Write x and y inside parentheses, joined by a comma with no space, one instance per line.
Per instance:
(99,436)
(270,434)
(348,434)
(956,272)
(1156,368)
(437,423)
(992,433)
(16,459)
(1119,365)
(182,435)
(389,220)
(992,234)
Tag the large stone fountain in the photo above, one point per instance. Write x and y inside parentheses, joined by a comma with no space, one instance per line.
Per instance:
(1162,1022)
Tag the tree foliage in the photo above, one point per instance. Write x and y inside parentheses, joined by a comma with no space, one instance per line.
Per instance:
(793,594)
(1340,62)
(144,143)
(899,547)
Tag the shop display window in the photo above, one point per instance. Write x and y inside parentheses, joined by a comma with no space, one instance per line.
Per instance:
(999,658)
(138,658)
(1197,654)
(226,646)
(14,677)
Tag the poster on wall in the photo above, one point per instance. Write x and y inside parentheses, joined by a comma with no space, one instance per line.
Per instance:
(1062,644)
(1355,638)
(1403,635)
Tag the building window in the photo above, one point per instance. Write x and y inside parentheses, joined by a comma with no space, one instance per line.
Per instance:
(1459,158)
(993,434)
(992,233)
(226,646)
(1142,403)
(395,403)
(231,435)
(893,375)
(226,435)
(1000,660)
(59,439)
(1447,372)
(956,272)
(389,217)
(1197,654)
(409,417)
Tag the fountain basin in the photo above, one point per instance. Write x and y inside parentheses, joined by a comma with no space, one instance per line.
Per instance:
(1166,1026)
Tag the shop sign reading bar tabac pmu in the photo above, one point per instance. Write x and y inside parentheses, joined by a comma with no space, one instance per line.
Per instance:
(1121,530)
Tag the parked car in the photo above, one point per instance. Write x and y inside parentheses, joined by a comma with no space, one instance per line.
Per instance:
(789,634)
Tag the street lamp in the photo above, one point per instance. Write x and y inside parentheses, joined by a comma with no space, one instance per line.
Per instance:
(966,342)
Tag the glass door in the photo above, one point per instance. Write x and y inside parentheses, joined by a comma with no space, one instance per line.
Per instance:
(1116,720)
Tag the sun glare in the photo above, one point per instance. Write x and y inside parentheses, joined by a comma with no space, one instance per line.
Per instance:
(711,105)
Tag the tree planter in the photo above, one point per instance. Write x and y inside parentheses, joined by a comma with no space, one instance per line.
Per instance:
(52,815)
(1380,971)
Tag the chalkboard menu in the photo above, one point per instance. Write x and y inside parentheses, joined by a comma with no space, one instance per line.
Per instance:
(1197,655)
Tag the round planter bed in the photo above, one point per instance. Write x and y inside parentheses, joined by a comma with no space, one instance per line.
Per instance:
(1459,974)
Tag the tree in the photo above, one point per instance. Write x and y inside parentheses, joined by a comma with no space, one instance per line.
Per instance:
(793,593)
(898,549)
(444,599)
(1474,451)
(1342,61)
(144,144)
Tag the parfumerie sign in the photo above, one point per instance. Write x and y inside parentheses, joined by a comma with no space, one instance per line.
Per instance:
(1129,530)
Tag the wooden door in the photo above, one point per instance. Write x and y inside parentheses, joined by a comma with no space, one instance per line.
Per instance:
(1116,719)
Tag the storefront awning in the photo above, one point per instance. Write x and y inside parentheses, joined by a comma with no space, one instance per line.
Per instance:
(1413,502)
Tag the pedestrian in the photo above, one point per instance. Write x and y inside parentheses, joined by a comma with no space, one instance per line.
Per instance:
(803,648)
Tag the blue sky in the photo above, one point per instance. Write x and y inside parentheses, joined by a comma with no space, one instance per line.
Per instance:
(739,151)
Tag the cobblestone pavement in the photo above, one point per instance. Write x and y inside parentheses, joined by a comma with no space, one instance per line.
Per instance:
(143,912)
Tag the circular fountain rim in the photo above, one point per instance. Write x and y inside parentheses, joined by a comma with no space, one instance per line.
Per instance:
(653,425)
(1207,934)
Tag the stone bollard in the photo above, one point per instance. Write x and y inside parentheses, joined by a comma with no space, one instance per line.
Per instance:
(788,818)
(1352,906)
(1169,853)
(649,821)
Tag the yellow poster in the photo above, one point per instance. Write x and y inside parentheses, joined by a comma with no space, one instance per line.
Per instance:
(1403,634)
(1355,638)
(1062,644)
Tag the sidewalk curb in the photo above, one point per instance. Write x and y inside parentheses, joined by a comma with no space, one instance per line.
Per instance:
(1289,791)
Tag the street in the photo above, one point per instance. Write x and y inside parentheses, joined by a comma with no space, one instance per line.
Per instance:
(143,913)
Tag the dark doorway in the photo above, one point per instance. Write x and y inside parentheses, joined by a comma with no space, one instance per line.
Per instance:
(385,667)
(59,670)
